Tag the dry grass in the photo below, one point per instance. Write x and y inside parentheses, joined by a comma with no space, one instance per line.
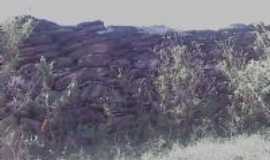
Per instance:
(240,148)
(255,147)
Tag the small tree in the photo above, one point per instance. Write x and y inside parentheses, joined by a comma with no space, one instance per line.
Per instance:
(15,31)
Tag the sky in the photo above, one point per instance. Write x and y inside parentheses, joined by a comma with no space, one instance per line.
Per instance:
(181,14)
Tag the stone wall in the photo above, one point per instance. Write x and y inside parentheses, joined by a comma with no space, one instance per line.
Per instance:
(115,67)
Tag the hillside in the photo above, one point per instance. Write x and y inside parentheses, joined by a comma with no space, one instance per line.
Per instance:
(91,84)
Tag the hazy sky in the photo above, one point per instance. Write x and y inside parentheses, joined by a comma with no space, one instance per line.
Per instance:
(184,14)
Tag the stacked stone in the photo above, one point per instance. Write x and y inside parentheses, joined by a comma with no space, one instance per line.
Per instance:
(112,64)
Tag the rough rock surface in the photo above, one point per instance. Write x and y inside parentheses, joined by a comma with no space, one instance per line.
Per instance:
(112,63)
(89,50)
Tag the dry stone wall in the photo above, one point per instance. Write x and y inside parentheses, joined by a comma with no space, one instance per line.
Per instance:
(115,67)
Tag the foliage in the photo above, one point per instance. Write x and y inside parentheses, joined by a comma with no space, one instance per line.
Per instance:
(15,30)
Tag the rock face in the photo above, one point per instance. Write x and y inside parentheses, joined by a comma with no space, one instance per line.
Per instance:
(90,49)
(115,66)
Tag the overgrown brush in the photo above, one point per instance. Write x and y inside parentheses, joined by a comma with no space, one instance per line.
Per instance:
(31,109)
(221,99)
